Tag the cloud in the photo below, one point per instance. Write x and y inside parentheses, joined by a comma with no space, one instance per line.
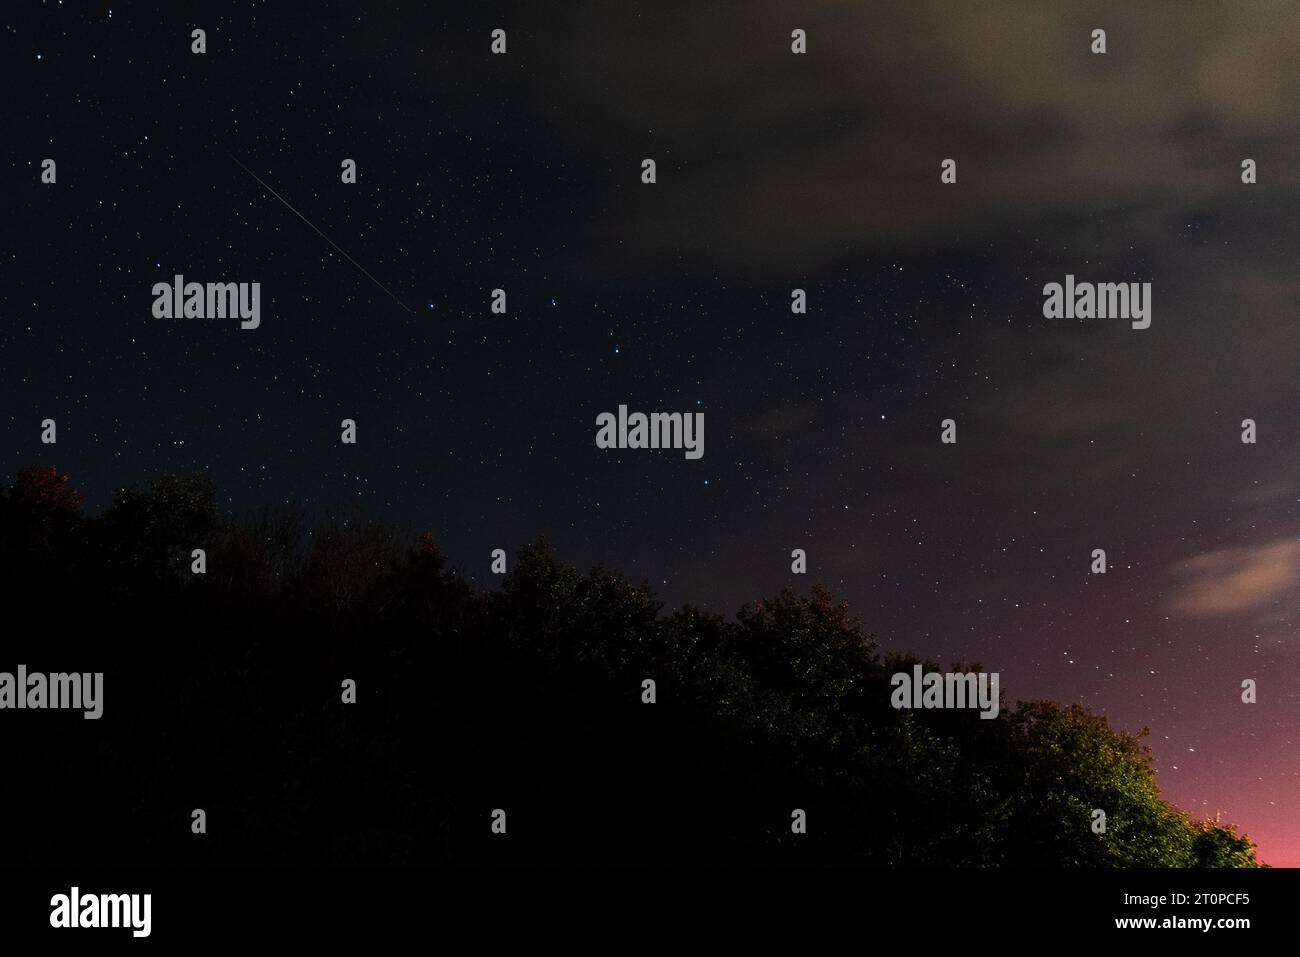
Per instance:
(1231,580)
(769,160)
(766,157)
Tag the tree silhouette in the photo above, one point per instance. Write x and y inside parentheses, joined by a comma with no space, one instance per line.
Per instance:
(223,692)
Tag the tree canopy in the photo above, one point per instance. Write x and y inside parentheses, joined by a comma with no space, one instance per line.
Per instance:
(223,693)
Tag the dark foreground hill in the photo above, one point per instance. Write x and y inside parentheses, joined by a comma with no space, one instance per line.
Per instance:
(223,691)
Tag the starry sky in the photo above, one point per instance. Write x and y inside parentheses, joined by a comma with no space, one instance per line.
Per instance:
(775,172)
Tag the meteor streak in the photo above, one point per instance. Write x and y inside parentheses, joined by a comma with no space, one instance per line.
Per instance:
(319,233)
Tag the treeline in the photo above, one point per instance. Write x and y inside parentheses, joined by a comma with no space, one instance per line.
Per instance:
(223,692)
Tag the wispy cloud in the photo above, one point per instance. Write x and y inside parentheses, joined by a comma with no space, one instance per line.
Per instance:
(1231,580)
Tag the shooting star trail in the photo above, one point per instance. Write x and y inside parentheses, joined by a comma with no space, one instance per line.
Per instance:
(320,234)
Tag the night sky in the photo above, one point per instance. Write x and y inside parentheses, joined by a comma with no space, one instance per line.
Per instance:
(775,171)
